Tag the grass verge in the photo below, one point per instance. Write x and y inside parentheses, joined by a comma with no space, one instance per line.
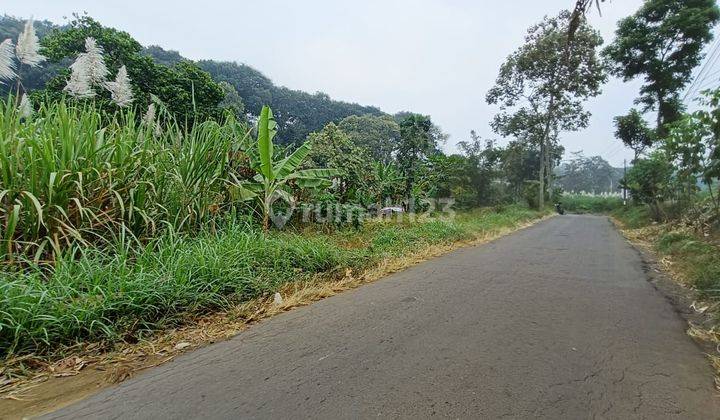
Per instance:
(692,260)
(210,285)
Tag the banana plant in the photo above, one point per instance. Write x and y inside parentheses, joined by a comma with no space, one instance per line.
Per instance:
(272,178)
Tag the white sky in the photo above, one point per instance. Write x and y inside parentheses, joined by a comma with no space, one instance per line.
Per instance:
(429,56)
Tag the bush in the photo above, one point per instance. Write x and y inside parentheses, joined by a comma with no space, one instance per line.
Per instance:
(576,203)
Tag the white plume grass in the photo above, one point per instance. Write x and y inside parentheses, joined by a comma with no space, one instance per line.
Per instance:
(120,89)
(7,61)
(26,109)
(88,69)
(92,62)
(28,46)
(149,117)
(79,85)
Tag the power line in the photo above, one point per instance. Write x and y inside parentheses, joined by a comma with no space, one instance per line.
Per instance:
(709,63)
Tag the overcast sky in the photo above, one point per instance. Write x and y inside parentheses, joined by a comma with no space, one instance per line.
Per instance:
(429,56)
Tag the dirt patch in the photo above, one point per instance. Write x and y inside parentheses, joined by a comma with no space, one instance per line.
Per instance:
(41,386)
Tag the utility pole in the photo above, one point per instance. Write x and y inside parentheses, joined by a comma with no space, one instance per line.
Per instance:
(624,175)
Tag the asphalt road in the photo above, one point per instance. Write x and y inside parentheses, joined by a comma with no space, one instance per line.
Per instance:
(556,321)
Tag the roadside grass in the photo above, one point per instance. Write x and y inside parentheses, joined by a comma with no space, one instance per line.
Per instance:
(698,260)
(579,203)
(127,293)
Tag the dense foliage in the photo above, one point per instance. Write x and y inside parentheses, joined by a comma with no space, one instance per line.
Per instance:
(662,43)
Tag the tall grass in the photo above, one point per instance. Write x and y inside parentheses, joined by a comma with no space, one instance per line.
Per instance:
(132,290)
(70,177)
(580,203)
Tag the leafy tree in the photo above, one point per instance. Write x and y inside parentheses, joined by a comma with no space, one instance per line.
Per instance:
(332,148)
(188,92)
(232,101)
(650,181)
(449,176)
(542,85)
(634,132)
(483,160)
(274,176)
(379,135)
(662,42)
(162,56)
(589,174)
(694,146)
(416,143)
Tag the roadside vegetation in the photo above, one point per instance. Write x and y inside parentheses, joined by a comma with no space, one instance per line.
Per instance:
(128,207)
(126,293)
(140,189)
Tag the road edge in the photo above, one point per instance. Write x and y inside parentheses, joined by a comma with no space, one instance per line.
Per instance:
(93,379)
(680,297)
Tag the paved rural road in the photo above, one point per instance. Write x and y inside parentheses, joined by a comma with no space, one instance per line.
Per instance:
(556,321)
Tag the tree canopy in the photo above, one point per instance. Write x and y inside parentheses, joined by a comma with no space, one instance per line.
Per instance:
(543,84)
(662,43)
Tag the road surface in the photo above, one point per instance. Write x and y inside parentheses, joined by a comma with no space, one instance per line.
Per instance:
(556,321)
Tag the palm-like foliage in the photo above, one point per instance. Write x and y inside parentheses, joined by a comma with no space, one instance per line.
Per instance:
(273,178)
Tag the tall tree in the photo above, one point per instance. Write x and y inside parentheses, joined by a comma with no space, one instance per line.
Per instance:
(662,42)
(332,148)
(542,85)
(379,135)
(416,143)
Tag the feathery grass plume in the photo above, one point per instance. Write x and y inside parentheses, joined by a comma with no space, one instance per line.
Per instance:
(87,70)
(149,117)
(26,109)
(79,85)
(120,89)
(28,47)
(7,61)
(92,62)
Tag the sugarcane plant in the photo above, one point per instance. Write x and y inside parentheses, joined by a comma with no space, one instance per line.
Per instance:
(274,177)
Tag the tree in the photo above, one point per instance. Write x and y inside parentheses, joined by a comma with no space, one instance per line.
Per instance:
(188,92)
(542,85)
(416,143)
(273,176)
(662,42)
(232,101)
(449,176)
(693,144)
(379,135)
(634,132)
(650,182)
(483,160)
(332,148)
(589,174)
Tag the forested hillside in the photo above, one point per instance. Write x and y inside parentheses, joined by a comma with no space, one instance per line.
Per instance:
(297,113)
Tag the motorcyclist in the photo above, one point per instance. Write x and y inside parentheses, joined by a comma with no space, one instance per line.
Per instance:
(559,208)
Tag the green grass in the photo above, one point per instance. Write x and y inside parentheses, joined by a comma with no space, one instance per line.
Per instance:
(633,216)
(576,203)
(71,177)
(698,260)
(129,291)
